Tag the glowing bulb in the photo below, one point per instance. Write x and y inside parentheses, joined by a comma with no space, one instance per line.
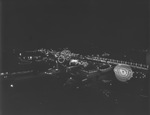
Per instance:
(11,85)
(123,72)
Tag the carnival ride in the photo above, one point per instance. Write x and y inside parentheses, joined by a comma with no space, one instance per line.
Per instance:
(85,71)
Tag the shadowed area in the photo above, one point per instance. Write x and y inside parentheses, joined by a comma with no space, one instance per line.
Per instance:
(44,95)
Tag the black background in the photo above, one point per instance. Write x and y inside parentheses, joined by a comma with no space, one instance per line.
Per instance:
(79,24)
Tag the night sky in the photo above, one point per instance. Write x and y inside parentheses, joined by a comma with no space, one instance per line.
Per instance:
(79,24)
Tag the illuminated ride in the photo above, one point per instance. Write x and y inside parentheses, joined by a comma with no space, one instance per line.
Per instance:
(81,71)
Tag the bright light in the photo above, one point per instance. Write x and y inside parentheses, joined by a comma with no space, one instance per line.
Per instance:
(31,57)
(123,72)
(2,73)
(11,85)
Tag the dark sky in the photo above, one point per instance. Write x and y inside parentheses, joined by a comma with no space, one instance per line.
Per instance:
(75,23)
